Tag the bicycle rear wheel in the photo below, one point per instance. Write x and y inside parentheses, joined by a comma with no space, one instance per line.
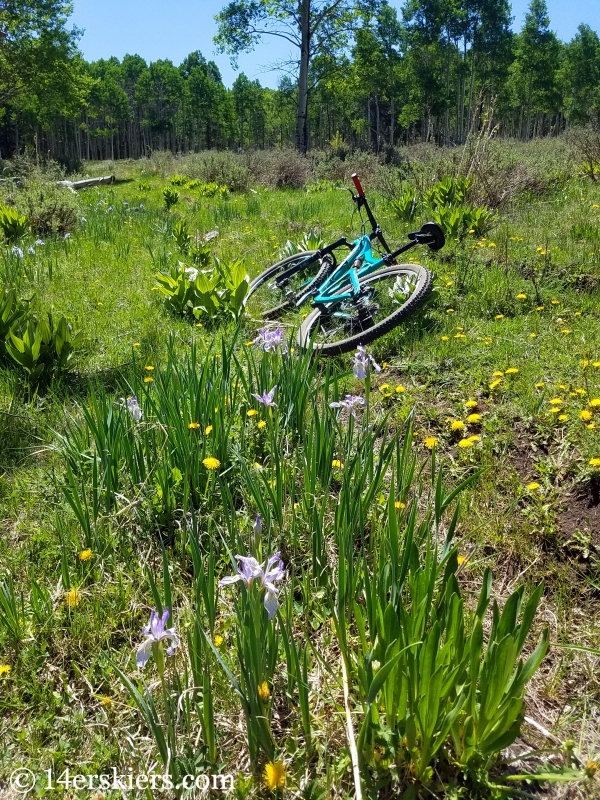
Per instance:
(386,299)
(271,293)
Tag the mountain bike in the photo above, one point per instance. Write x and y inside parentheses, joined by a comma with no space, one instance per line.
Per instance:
(352,302)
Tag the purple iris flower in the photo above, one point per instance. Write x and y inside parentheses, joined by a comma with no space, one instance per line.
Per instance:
(270,340)
(351,401)
(257,527)
(266,398)
(17,251)
(268,574)
(156,632)
(134,408)
(363,362)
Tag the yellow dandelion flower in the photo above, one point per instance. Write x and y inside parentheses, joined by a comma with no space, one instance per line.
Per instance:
(584,362)
(149,368)
(456,425)
(208,429)
(105,700)
(591,426)
(72,598)
(400,389)
(499,316)
(492,244)
(533,335)
(336,463)
(4,669)
(445,338)
(596,364)
(85,555)
(471,404)
(580,391)
(272,483)
(474,418)
(449,311)
(533,486)
(585,415)
(594,402)
(459,336)
(512,371)
(384,387)
(556,401)
(521,296)
(218,640)
(398,505)
(137,344)
(496,383)
(274,775)
(462,560)
(464,443)
(556,410)
(262,424)
(539,308)
(263,691)
(497,374)
(563,417)
(594,462)
(555,302)
(252,412)
(430,442)
(148,379)
(539,385)
(193,426)
(384,365)
(256,465)
(211,463)
(474,438)
(565,331)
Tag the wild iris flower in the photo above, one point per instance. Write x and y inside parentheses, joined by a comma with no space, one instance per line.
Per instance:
(351,401)
(155,633)
(270,340)
(267,574)
(266,398)
(133,407)
(363,362)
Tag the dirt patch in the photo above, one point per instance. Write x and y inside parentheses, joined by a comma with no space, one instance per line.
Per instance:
(579,516)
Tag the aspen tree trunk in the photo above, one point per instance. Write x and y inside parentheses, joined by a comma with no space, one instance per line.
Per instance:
(302,111)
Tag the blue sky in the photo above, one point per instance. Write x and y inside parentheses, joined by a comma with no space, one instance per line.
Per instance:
(155,29)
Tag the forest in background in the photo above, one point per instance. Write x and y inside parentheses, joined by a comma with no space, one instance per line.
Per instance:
(428,74)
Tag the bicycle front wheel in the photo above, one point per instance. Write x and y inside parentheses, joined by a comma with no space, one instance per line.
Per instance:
(274,290)
(386,298)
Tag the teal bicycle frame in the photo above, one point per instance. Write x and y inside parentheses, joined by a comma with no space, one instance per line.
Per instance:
(360,262)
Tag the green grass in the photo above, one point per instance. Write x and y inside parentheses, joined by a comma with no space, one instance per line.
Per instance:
(53,710)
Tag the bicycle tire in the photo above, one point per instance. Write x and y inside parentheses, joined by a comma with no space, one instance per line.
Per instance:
(416,299)
(273,270)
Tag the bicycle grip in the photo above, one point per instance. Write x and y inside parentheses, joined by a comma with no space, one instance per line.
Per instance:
(356,182)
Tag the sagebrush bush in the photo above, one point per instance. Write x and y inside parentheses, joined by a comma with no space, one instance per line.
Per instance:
(49,208)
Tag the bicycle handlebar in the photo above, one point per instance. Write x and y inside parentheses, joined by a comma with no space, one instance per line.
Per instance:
(357,184)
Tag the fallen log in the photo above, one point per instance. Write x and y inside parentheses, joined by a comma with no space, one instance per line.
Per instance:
(84,184)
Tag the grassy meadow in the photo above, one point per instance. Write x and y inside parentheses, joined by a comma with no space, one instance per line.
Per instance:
(468,484)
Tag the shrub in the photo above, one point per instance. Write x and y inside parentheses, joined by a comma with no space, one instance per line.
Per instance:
(178,180)
(586,144)
(48,207)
